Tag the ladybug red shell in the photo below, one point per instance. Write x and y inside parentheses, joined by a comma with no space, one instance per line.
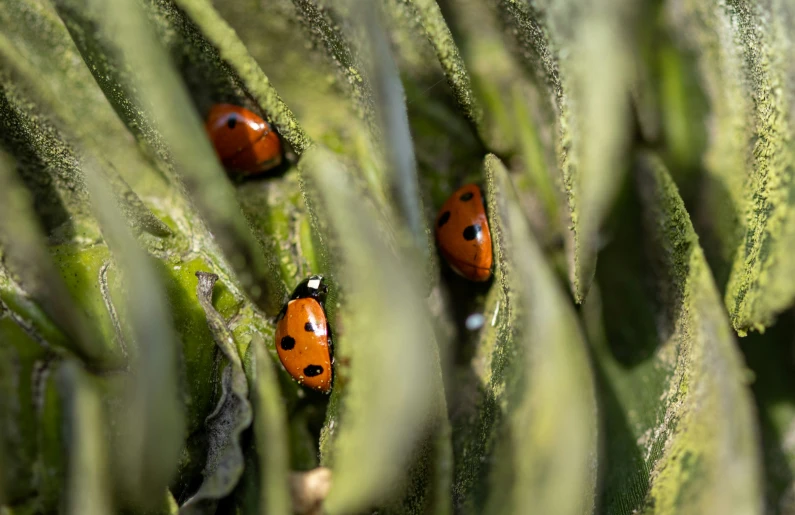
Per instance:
(303,338)
(243,141)
(462,232)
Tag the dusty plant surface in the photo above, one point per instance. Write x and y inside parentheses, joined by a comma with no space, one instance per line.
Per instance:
(632,352)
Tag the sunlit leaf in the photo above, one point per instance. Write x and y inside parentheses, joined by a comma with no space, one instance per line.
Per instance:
(743,50)
(518,443)
(680,418)
(120,32)
(577,52)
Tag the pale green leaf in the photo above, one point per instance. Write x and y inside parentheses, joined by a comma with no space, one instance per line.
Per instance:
(392,374)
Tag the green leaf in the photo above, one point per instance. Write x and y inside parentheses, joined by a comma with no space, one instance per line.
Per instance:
(25,250)
(518,448)
(87,485)
(430,18)
(393,373)
(234,53)
(327,30)
(120,35)
(38,37)
(683,438)
(744,56)
(231,417)
(579,56)
(270,432)
(154,422)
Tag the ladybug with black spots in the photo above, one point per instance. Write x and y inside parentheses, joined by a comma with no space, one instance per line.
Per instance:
(463,236)
(303,337)
(244,142)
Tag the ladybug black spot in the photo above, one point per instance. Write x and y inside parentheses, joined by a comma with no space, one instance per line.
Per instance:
(471,232)
(443,219)
(231,122)
(309,328)
(466,196)
(287,343)
(313,370)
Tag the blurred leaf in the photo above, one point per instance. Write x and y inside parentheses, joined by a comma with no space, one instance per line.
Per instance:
(578,51)
(38,36)
(770,356)
(25,250)
(87,485)
(154,418)
(744,51)
(517,446)
(270,432)
(394,125)
(119,33)
(231,417)
(680,419)
(22,360)
(387,339)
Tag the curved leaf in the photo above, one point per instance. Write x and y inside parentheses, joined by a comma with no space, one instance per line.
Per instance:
(438,33)
(577,51)
(327,31)
(743,49)
(119,32)
(25,250)
(681,420)
(233,52)
(522,450)
(155,418)
(391,372)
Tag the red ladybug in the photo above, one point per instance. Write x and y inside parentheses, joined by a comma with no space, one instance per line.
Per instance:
(303,338)
(243,141)
(462,232)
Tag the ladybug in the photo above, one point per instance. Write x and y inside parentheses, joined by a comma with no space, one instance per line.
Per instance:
(243,141)
(303,337)
(462,232)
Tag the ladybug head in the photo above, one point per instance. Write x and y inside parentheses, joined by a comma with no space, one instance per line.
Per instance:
(311,287)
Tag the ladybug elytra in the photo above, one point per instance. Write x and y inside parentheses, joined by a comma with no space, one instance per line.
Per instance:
(303,337)
(462,231)
(243,141)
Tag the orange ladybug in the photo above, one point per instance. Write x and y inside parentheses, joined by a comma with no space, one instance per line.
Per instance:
(462,232)
(243,141)
(303,337)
